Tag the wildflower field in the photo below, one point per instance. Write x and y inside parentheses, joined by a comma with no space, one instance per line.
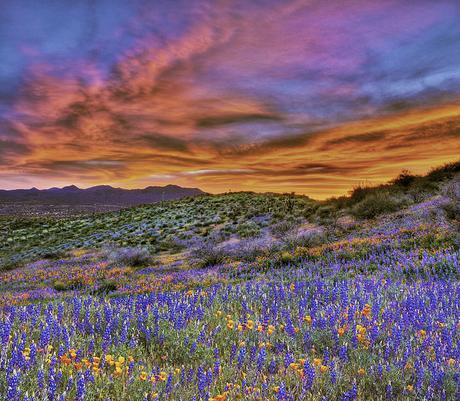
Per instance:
(369,311)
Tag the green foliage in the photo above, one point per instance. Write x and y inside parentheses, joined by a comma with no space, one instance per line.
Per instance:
(329,214)
(444,172)
(415,187)
(163,227)
(6,265)
(134,257)
(68,285)
(154,227)
(280,229)
(208,255)
(404,179)
(54,254)
(375,204)
(452,210)
(106,287)
(248,229)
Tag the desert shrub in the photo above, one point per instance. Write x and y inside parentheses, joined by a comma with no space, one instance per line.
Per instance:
(340,202)
(133,257)
(453,190)
(172,244)
(179,244)
(325,211)
(280,229)
(404,179)
(250,250)
(421,188)
(60,286)
(329,215)
(304,240)
(452,210)
(375,204)
(54,254)
(208,254)
(106,287)
(284,257)
(358,194)
(7,264)
(68,285)
(309,210)
(444,172)
(248,229)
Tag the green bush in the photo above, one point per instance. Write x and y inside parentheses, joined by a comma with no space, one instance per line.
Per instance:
(248,230)
(75,284)
(106,287)
(375,204)
(280,229)
(54,254)
(452,210)
(444,172)
(133,257)
(6,265)
(404,179)
(208,255)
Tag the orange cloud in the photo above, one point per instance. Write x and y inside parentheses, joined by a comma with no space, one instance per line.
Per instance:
(284,104)
(320,164)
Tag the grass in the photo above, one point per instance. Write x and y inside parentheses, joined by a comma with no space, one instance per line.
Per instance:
(238,296)
(174,226)
(156,227)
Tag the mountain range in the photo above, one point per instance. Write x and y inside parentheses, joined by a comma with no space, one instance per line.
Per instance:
(98,195)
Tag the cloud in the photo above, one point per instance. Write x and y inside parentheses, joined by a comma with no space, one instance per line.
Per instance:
(10,149)
(353,139)
(164,142)
(200,94)
(216,121)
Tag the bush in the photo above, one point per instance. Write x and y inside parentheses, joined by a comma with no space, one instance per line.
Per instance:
(358,194)
(248,229)
(443,172)
(329,215)
(106,287)
(404,179)
(374,205)
(280,229)
(305,240)
(250,250)
(421,188)
(54,254)
(75,284)
(6,265)
(207,255)
(452,210)
(133,257)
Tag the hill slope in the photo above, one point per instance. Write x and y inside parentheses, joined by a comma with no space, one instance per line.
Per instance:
(228,221)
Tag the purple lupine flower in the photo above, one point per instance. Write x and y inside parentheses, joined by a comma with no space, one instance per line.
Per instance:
(80,396)
(13,392)
(309,376)
(261,359)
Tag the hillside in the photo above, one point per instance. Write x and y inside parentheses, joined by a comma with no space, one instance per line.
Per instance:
(211,291)
(221,221)
(163,226)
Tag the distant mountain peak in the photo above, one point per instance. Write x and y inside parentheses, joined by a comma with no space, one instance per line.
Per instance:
(70,188)
(97,195)
(101,187)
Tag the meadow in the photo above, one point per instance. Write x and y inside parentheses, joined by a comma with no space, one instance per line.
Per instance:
(238,296)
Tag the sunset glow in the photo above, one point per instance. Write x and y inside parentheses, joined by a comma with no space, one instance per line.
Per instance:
(306,96)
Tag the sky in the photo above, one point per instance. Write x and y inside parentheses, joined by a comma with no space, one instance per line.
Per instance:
(313,97)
